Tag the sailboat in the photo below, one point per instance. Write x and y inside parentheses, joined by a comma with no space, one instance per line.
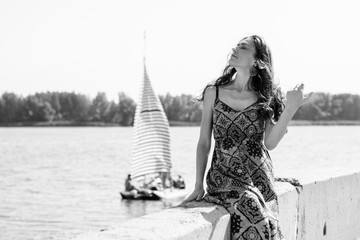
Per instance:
(151,145)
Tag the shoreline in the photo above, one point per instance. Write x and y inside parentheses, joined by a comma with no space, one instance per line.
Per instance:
(60,124)
(172,124)
(325,123)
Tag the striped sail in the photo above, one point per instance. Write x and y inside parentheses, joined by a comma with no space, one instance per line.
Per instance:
(151,138)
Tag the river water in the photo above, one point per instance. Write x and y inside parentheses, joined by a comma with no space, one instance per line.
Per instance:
(58,182)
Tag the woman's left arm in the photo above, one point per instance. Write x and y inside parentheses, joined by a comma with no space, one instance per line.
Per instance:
(294,100)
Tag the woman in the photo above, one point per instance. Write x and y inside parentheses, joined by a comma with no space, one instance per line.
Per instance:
(247,113)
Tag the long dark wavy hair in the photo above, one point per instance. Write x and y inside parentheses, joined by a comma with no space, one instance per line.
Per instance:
(270,95)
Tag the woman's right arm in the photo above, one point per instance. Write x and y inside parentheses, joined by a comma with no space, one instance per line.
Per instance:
(204,144)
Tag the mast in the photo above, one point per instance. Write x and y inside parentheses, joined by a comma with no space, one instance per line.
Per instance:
(151,135)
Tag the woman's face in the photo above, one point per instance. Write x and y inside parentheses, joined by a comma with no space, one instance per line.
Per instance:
(243,54)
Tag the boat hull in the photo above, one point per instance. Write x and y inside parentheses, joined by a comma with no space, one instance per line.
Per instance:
(168,194)
(138,196)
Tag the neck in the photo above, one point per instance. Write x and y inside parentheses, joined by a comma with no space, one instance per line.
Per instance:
(241,80)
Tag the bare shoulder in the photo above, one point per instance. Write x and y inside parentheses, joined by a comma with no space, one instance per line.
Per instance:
(210,92)
(209,96)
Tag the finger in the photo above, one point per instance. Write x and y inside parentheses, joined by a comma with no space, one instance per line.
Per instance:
(301,86)
(308,96)
(198,197)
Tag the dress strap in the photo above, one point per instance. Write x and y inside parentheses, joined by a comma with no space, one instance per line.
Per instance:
(217,93)
(216,96)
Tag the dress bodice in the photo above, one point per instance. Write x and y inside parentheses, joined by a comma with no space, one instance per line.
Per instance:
(240,158)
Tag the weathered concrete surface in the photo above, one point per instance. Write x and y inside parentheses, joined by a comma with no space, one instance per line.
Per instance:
(330,209)
(327,209)
(195,220)
(288,209)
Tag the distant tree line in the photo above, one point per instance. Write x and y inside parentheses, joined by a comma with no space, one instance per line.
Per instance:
(181,108)
(325,106)
(65,106)
(74,107)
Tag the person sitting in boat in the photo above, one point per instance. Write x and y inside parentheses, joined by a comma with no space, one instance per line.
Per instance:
(165,179)
(179,182)
(129,186)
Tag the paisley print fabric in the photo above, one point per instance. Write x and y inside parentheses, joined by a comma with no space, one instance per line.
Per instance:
(241,174)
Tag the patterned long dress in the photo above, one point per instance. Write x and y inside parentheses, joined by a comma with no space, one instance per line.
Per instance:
(241,174)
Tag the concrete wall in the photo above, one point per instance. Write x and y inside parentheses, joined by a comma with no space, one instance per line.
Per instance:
(330,209)
(327,209)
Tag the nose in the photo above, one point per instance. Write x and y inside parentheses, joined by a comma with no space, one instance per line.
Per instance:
(234,49)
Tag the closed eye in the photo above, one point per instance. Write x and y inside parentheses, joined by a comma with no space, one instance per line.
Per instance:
(243,45)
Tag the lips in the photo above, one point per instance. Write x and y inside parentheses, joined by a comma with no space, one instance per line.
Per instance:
(233,55)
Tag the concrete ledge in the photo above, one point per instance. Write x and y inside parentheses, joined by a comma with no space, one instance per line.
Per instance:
(193,221)
(328,209)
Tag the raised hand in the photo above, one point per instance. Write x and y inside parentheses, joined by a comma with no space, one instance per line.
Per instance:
(296,98)
(197,194)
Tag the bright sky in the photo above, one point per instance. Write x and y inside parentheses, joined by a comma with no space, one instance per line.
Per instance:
(89,46)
